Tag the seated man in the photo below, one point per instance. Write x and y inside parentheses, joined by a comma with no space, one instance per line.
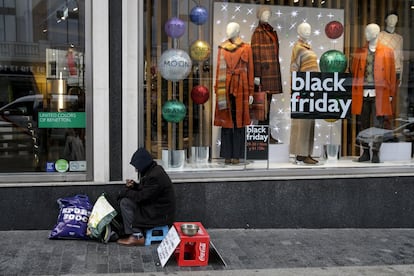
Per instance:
(146,204)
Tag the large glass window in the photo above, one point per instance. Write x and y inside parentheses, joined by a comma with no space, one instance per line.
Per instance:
(240,85)
(42,88)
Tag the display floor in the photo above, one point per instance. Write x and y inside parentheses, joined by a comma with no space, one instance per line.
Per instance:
(347,162)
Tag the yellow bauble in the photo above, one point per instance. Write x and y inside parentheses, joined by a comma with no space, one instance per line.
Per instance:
(200,50)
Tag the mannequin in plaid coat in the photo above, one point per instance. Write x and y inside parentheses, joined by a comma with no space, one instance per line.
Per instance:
(265,47)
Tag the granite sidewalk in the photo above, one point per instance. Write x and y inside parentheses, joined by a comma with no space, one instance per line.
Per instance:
(244,252)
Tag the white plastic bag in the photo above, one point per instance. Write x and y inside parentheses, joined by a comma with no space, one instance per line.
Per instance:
(102,214)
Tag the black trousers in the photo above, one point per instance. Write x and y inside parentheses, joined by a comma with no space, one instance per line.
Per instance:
(233,139)
(368,118)
(128,212)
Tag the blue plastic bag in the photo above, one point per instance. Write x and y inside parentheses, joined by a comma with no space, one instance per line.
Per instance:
(73,218)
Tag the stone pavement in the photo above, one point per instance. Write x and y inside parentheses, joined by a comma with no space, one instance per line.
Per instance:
(244,251)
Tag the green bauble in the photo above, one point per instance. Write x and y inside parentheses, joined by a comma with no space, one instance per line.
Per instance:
(173,111)
(333,61)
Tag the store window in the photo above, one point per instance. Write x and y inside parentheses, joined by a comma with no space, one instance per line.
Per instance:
(42,88)
(235,85)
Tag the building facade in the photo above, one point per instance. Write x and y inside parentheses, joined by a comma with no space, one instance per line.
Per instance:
(85,83)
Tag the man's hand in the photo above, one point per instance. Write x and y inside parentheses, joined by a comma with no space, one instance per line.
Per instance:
(130,183)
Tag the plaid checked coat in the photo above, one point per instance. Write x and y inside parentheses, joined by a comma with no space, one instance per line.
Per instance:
(265,47)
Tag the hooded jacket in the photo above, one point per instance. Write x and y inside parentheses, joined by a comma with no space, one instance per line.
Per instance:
(154,194)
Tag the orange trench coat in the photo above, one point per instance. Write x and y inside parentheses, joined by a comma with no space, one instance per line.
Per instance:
(239,81)
(384,77)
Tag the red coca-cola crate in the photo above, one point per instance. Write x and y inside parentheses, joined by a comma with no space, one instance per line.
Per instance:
(192,250)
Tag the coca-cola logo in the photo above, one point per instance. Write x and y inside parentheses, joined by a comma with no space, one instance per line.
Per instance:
(202,248)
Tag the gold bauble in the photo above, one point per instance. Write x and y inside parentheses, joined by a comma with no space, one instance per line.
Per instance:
(200,50)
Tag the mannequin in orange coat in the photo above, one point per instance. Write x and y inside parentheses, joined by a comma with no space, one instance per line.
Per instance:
(234,89)
(373,86)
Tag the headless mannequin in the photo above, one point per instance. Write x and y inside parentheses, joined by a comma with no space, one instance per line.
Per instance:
(302,130)
(233,32)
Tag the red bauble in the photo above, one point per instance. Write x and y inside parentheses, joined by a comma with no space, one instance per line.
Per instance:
(334,29)
(200,94)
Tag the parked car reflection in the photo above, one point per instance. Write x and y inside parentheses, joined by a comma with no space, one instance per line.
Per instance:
(402,133)
(24,146)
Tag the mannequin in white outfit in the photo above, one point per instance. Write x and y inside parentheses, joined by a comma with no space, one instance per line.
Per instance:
(390,38)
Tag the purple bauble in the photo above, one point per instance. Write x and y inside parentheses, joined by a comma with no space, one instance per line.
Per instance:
(175,27)
(198,15)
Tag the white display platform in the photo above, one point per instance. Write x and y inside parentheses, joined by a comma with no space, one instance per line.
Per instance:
(400,151)
(278,153)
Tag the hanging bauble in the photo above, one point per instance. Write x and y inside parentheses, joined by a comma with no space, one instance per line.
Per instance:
(174,65)
(173,111)
(198,15)
(200,50)
(174,27)
(333,61)
(334,29)
(200,94)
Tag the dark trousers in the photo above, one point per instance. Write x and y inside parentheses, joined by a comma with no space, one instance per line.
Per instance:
(232,139)
(128,212)
(368,118)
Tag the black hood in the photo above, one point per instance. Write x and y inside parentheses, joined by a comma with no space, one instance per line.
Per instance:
(141,159)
